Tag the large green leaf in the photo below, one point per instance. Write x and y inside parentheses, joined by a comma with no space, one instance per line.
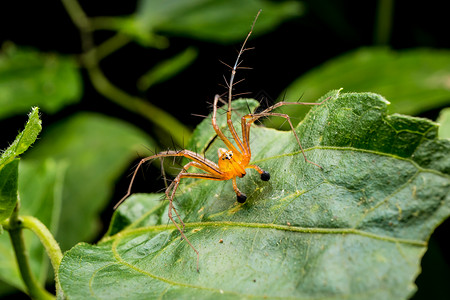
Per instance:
(97,149)
(414,80)
(212,20)
(30,78)
(355,230)
(40,189)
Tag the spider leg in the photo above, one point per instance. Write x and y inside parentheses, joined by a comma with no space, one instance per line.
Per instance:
(241,197)
(170,194)
(270,108)
(226,141)
(251,118)
(205,164)
(230,85)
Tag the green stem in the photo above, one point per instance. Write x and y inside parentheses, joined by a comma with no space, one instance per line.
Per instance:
(90,60)
(49,243)
(15,230)
(137,105)
(111,45)
(384,22)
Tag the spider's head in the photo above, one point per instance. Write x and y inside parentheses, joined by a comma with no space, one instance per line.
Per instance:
(225,154)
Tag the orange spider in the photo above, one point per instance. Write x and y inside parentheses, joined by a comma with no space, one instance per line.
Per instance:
(232,161)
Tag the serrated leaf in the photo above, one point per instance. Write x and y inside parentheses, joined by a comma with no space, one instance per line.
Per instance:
(40,189)
(414,80)
(24,139)
(220,21)
(31,78)
(355,230)
(97,149)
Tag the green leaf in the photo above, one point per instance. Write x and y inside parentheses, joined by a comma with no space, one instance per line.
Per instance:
(444,121)
(9,164)
(24,139)
(97,150)
(355,230)
(414,80)
(167,69)
(40,189)
(31,78)
(8,189)
(212,20)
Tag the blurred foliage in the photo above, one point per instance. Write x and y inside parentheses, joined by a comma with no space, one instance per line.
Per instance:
(69,176)
(414,80)
(444,121)
(32,78)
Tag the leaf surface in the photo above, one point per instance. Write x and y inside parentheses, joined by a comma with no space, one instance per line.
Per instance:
(8,189)
(444,121)
(355,230)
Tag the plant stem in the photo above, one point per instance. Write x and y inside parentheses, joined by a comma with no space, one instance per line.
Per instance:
(383,23)
(49,243)
(90,60)
(111,45)
(135,104)
(15,230)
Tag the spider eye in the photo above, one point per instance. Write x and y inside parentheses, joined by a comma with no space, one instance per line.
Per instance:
(227,155)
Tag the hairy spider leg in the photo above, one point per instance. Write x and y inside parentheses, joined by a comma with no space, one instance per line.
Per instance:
(197,161)
(170,194)
(249,119)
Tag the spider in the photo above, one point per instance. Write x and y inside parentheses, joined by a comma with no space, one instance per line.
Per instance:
(233,160)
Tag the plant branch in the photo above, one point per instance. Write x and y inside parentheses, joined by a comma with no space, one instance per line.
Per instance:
(383,23)
(15,230)
(48,241)
(90,60)
(110,46)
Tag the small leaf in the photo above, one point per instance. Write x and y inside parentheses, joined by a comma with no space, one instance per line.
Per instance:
(30,78)
(40,189)
(8,189)
(97,149)
(444,121)
(167,69)
(9,164)
(355,230)
(414,80)
(24,140)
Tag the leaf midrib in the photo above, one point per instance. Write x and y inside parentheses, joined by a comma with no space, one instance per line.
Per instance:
(312,230)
